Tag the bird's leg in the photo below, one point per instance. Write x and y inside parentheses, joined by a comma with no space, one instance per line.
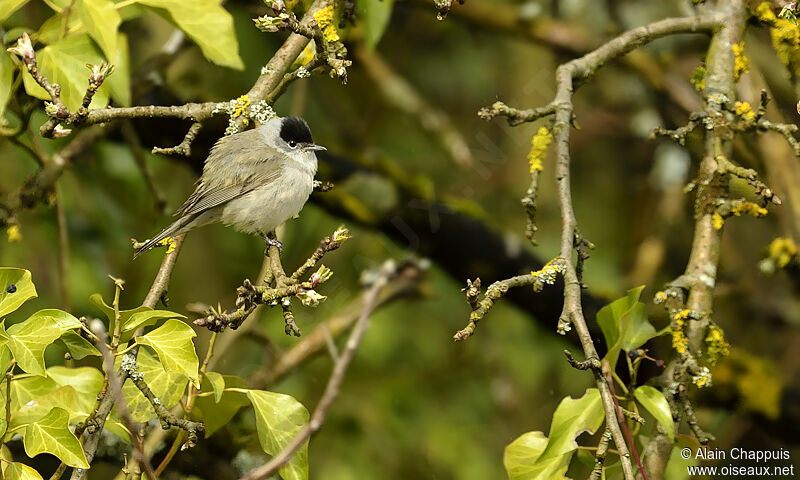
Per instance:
(271,240)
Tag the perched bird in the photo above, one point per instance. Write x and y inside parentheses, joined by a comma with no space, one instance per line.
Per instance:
(253,180)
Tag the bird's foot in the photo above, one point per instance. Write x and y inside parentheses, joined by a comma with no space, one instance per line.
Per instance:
(273,242)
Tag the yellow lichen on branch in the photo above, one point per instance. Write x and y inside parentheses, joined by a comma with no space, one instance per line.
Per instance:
(679,340)
(539,145)
(324,18)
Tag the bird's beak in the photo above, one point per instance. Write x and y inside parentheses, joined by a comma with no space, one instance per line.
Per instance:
(315,148)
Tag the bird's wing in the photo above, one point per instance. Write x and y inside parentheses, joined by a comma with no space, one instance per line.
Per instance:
(224,180)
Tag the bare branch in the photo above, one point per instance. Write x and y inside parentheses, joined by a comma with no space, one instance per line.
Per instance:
(332,388)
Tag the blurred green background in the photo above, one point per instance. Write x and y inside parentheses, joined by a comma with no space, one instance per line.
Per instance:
(414,404)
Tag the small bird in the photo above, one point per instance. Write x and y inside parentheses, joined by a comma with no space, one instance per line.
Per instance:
(253,180)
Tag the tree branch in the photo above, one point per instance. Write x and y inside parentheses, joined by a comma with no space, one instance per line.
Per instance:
(388,270)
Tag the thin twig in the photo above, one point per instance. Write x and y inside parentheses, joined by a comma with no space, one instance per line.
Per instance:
(332,388)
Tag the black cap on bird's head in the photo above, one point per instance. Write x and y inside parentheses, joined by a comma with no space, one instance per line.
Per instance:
(295,132)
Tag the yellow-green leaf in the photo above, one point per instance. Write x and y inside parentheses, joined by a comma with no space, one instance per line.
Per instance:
(28,340)
(375,15)
(102,21)
(216,414)
(529,458)
(50,31)
(144,319)
(97,300)
(7,7)
(208,24)
(87,382)
(16,287)
(217,382)
(51,434)
(24,390)
(119,84)
(173,344)
(624,325)
(64,62)
(64,397)
(521,454)
(279,418)
(653,401)
(78,346)
(20,471)
(167,387)
(6,80)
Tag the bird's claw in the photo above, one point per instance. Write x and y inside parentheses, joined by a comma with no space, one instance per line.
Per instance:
(273,242)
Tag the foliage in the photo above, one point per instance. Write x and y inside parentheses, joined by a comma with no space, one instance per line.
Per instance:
(45,402)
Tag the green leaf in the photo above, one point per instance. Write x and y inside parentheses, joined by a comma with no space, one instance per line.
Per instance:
(102,22)
(521,454)
(624,325)
(20,471)
(376,15)
(24,390)
(217,382)
(208,24)
(168,387)
(51,434)
(64,62)
(124,315)
(64,397)
(50,31)
(6,80)
(119,84)
(78,346)
(23,289)
(87,382)
(172,341)
(28,340)
(653,401)
(217,414)
(279,418)
(534,456)
(144,319)
(7,7)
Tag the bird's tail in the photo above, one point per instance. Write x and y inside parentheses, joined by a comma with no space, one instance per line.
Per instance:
(170,231)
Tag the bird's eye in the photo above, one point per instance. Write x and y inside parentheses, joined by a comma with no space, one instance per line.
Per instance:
(292,144)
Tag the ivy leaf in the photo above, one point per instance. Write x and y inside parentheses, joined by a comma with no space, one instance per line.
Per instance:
(50,31)
(173,344)
(279,418)
(102,22)
(16,287)
(208,24)
(119,84)
(64,397)
(24,390)
(168,387)
(216,414)
(217,382)
(653,401)
(27,340)
(7,7)
(144,319)
(521,454)
(376,15)
(86,381)
(6,80)
(534,456)
(51,434)
(64,62)
(97,300)
(624,325)
(78,346)
(20,471)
